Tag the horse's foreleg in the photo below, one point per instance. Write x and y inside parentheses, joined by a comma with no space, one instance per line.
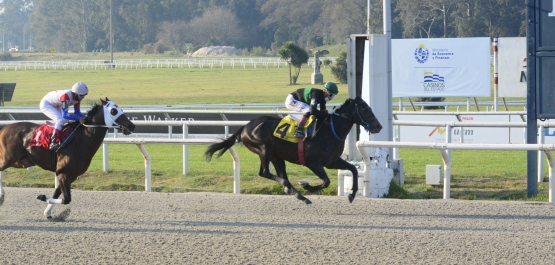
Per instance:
(65,188)
(317,169)
(340,164)
(48,211)
(51,202)
(2,192)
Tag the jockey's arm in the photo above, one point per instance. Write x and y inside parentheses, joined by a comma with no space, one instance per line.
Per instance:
(314,108)
(77,111)
(65,112)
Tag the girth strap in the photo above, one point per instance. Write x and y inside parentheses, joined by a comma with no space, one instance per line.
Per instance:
(300,149)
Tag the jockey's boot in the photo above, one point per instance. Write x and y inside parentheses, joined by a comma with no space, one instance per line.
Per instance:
(299,132)
(54,145)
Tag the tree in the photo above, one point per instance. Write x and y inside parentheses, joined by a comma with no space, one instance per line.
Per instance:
(295,56)
(14,15)
(64,25)
(296,19)
(340,19)
(340,68)
(172,35)
(217,26)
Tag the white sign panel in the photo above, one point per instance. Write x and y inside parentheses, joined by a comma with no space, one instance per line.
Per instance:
(511,59)
(469,135)
(449,67)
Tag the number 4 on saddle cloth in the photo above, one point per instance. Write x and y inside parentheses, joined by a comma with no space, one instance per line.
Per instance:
(286,128)
(42,135)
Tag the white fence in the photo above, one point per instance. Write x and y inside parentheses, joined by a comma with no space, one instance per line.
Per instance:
(140,142)
(444,150)
(199,63)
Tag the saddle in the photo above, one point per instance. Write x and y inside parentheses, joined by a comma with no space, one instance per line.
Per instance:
(286,128)
(43,133)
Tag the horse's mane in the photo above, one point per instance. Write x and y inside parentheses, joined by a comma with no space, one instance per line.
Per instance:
(347,102)
(92,112)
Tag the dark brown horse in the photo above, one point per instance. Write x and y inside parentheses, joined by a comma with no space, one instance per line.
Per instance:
(68,162)
(322,150)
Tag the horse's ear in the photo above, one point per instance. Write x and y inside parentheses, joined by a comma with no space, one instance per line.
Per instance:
(107,99)
(103,102)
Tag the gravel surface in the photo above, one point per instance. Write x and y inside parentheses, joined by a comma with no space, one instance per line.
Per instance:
(216,228)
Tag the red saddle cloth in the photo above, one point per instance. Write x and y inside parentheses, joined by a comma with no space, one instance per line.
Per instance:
(42,135)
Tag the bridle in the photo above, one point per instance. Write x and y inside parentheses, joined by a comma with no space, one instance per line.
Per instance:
(362,123)
(109,118)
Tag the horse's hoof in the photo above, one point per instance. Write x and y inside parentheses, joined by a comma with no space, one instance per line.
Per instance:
(287,191)
(42,198)
(49,217)
(303,184)
(351,198)
(1,199)
(307,201)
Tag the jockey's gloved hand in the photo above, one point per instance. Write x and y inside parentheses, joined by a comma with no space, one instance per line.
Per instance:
(79,117)
(330,111)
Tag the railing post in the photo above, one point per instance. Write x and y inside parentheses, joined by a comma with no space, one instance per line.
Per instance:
(446,155)
(541,140)
(185,151)
(551,180)
(148,169)
(236,171)
(105,158)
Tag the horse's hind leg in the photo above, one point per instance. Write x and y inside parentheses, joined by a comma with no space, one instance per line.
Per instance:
(279,165)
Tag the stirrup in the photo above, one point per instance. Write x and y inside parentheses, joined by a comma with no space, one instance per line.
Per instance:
(54,146)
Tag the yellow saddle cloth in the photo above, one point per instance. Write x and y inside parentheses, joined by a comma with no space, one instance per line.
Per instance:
(287,126)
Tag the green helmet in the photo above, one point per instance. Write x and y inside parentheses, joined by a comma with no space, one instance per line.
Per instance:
(331,87)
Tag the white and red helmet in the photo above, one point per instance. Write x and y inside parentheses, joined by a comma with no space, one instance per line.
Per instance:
(80,89)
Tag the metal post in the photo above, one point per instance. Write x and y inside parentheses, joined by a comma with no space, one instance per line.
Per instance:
(111,38)
(531,118)
(495,75)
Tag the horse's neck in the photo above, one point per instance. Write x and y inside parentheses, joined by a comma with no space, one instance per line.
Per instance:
(95,135)
(341,125)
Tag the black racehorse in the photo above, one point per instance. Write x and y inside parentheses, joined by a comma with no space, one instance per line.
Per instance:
(322,150)
(68,162)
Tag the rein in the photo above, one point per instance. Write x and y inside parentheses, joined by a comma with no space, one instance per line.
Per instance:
(102,126)
(333,129)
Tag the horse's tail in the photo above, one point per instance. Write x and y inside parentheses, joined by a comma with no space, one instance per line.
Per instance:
(223,145)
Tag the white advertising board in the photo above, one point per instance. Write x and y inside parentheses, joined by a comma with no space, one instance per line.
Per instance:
(448,67)
(511,69)
(471,135)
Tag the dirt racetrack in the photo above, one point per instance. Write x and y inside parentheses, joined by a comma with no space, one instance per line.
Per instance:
(215,228)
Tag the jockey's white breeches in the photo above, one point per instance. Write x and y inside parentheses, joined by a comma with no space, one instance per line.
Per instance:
(53,113)
(295,105)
